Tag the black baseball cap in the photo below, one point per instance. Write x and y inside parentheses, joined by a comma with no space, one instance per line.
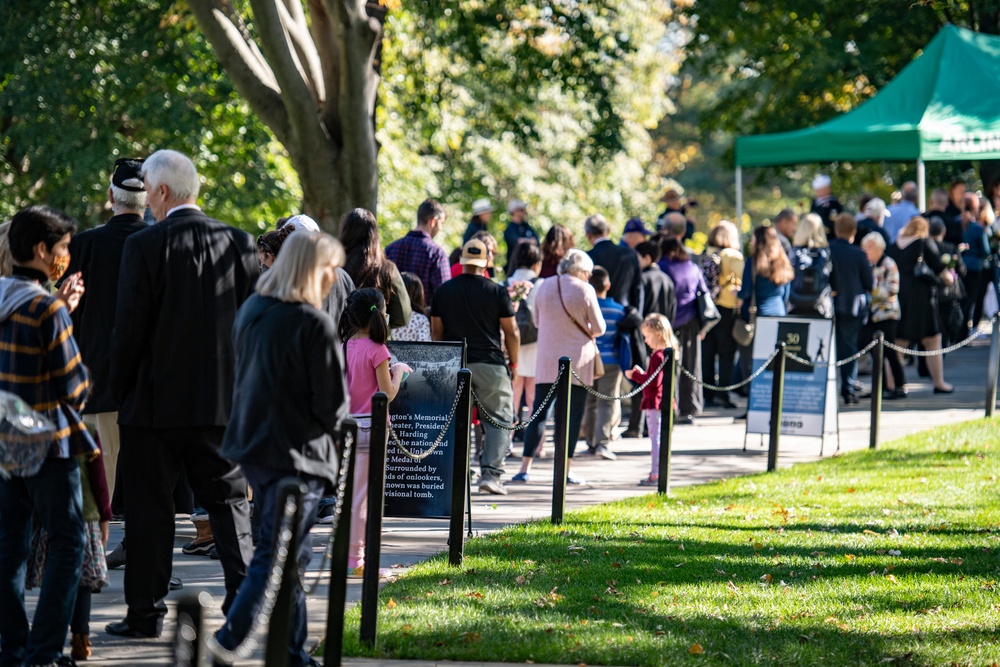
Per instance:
(128,174)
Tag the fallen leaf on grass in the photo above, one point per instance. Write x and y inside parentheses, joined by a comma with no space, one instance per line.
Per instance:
(520,581)
(681,564)
(851,489)
(391,604)
(758,546)
(892,578)
(474,594)
(849,557)
(696,649)
(767,578)
(444,582)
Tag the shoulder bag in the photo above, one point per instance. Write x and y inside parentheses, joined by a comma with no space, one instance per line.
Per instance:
(706,311)
(923,272)
(598,363)
(743,330)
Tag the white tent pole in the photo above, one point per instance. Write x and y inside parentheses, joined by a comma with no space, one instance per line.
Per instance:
(922,185)
(739,198)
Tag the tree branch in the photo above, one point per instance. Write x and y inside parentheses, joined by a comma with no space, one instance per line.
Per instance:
(327,44)
(252,78)
(296,96)
(306,52)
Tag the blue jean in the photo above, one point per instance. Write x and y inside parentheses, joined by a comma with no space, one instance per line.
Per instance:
(848,331)
(54,495)
(577,404)
(239,620)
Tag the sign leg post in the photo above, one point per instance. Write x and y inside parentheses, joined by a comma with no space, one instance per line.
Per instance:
(994,365)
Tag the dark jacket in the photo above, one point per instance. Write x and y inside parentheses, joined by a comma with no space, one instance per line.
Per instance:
(851,279)
(827,209)
(865,227)
(659,295)
(290,395)
(622,265)
(182,281)
(97,253)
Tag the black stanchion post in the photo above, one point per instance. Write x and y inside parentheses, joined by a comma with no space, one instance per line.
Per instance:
(460,477)
(376,507)
(878,372)
(994,367)
(334,644)
(777,389)
(280,628)
(189,642)
(562,436)
(667,392)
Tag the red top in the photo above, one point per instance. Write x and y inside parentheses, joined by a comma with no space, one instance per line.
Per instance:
(652,393)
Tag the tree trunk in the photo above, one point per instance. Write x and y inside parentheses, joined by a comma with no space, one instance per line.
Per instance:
(314,84)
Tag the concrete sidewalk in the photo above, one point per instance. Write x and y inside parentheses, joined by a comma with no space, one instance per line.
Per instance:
(709,450)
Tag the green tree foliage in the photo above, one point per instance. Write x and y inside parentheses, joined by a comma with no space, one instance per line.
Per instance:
(778,66)
(550,102)
(87,82)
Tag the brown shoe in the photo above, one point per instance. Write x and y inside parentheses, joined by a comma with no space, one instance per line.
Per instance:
(80,647)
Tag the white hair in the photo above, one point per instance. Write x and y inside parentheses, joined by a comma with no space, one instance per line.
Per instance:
(575,261)
(128,200)
(174,170)
(596,225)
(873,239)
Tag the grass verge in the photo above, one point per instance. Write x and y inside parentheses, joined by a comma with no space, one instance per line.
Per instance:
(887,557)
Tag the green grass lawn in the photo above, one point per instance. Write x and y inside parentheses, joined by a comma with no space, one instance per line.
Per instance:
(889,557)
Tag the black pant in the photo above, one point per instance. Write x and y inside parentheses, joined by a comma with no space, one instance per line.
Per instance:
(689,398)
(719,344)
(152,462)
(577,404)
(888,329)
(976,284)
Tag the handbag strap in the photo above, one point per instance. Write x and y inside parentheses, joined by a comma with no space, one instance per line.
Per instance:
(753,292)
(584,330)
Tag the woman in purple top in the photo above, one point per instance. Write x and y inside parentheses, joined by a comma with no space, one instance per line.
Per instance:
(688,280)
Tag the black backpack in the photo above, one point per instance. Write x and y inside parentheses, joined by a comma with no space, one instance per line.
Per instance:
(811,285)
(525,324)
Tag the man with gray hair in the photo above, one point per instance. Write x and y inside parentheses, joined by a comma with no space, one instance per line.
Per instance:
(900,214)
(182,281)
(675,225)
(97,255)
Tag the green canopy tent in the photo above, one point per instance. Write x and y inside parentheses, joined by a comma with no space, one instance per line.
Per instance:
(944,105)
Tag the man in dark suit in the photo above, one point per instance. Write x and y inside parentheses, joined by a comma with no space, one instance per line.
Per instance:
(852,282)
(621,263)
(826,205)
(182,281)
(97,255)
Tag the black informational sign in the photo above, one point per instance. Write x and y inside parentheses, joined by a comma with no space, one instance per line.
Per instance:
(418,413)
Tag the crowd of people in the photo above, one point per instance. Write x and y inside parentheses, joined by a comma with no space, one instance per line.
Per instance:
(187,368)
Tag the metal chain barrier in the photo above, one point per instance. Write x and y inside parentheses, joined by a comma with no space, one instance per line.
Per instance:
(251,642)
(338,509)
(732,387)
(951,348)
(813,364)
(437,442)
(523,425)
(623,397)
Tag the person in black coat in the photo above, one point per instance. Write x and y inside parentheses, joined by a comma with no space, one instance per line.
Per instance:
(660,297)
(290,397)
(182,281)
(621,263)
(852,283)
(97,255)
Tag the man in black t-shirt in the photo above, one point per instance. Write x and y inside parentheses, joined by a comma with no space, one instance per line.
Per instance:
(473,308)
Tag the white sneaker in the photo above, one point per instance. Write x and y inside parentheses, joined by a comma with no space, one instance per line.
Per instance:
(603,452)
(494,486)
(573,479)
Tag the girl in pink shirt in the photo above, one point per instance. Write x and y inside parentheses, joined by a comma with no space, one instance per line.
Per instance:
(363,326)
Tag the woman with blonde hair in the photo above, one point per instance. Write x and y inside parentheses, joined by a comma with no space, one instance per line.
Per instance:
(918,294)
(811,233)
(810,294)
(289,398)
(722,265)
